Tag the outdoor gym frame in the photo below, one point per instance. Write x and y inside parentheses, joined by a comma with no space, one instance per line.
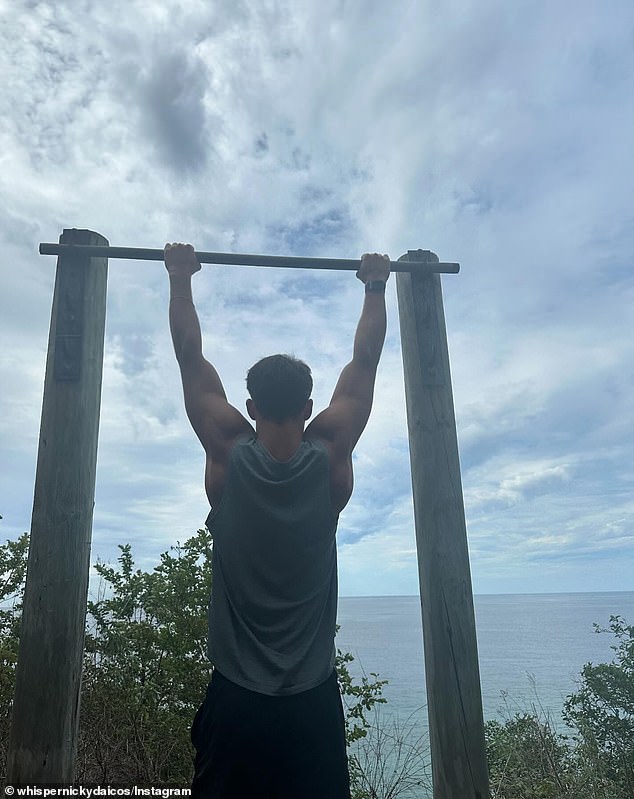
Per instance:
(43,740)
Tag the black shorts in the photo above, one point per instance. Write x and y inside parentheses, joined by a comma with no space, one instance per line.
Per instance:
(253,746)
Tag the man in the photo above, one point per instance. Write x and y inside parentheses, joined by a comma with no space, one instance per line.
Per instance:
(272,724)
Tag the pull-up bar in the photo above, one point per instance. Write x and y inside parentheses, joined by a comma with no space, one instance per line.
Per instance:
(236,259)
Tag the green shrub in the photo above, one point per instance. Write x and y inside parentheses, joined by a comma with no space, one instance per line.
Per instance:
(602,714)
(527,759)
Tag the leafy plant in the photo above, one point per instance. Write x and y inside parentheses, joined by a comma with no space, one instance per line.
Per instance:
(13,562)
(602,712)
(527,759)
(358,698)
(145,667)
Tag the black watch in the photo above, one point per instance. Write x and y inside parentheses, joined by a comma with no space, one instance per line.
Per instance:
(375,286)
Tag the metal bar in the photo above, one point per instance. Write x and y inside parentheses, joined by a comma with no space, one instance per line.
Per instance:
(236,259)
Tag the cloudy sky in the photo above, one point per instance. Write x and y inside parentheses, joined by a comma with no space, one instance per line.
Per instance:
(496,134)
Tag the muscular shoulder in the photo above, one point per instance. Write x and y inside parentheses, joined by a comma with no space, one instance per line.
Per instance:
(340,471)
(218,467)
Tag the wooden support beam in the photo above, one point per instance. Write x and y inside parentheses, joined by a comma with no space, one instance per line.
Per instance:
(237,259)
(456,727)
(45,720)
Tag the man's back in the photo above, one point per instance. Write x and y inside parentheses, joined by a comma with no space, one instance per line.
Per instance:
(273,608)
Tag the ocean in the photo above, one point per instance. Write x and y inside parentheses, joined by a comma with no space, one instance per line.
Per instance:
(532,648)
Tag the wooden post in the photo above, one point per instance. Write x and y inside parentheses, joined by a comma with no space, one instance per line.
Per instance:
(454,699)
(46,705)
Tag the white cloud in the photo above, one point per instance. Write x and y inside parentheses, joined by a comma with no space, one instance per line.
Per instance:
(497,136)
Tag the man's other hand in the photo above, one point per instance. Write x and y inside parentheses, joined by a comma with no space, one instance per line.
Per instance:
(374,267)
(180,259)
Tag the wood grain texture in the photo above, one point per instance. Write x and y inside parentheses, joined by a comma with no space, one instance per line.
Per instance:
(47,695)
(451,658)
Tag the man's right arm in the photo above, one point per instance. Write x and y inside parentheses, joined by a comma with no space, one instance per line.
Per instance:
(343,421)
(216,423)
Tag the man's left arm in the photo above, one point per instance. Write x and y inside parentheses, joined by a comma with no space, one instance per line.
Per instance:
(215,421)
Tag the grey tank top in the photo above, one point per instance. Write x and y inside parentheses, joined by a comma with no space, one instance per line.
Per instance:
(273,607)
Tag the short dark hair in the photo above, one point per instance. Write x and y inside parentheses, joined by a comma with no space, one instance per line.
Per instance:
(280,386)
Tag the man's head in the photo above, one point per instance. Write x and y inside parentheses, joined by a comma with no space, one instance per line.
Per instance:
(280,388)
